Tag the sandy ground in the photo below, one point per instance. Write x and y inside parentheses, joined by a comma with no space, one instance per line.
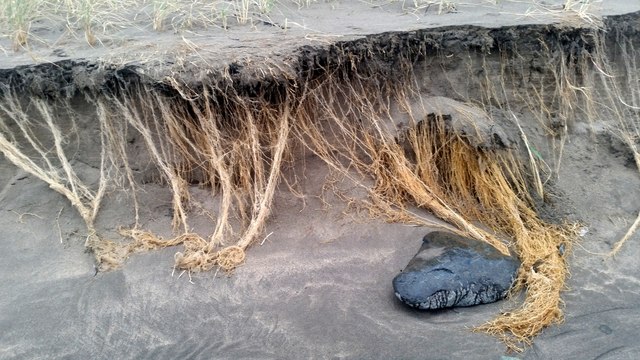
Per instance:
(320,284)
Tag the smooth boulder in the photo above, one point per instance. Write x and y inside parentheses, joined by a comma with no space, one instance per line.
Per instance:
(450,270)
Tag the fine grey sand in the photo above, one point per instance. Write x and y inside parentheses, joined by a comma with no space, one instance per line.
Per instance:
(319,285)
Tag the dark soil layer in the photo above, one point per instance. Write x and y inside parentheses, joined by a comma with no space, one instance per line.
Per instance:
(382,52)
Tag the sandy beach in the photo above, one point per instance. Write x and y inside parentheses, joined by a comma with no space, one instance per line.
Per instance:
(316,284)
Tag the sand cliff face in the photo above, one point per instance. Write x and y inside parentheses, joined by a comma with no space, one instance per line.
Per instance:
(323,277)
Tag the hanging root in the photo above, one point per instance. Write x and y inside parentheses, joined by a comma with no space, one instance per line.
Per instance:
(35,143)
(634,227)
(542,274)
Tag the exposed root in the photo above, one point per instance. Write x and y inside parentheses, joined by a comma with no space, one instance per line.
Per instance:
(632,230)
(45,158)
(230,257)
(634,227)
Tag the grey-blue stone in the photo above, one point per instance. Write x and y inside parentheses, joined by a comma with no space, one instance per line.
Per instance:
(450,270)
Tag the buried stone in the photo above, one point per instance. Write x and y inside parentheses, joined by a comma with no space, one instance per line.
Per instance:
(450,270)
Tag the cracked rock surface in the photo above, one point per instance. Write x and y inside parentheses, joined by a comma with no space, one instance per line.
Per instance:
(451,270)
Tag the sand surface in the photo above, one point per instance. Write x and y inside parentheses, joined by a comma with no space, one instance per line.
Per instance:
(320,284)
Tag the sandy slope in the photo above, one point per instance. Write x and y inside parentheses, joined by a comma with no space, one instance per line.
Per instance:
(319,287)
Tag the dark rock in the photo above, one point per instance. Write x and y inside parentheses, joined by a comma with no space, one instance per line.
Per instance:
(451,270)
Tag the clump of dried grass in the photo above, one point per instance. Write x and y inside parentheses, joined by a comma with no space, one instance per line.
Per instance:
(577,14)
(98,20)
